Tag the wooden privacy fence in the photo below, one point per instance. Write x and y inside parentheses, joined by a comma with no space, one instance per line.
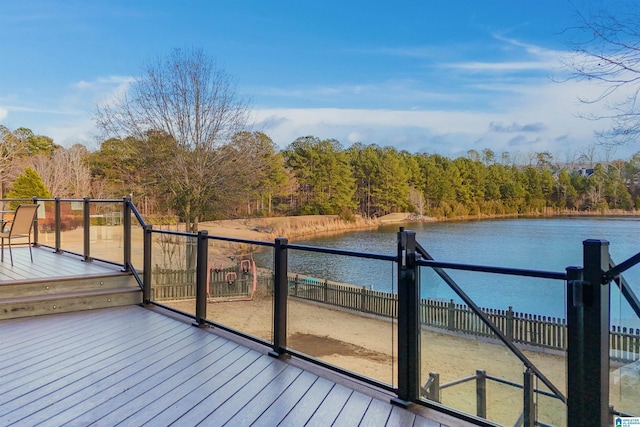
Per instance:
(343,295)
(522,328)
(224,283)
(173,284)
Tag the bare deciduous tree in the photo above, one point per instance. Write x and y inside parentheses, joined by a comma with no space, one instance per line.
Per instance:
(607,53)
(11,148)
(65,172)
(187,97)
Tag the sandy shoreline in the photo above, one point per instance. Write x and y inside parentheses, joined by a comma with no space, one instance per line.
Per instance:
(293,227)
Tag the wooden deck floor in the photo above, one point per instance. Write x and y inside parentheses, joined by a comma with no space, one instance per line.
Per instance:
(48,265)
(135,366)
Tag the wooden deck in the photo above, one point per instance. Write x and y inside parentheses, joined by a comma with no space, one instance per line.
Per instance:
(48,265)
(139,366)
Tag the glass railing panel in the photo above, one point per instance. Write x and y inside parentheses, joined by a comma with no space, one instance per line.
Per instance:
(465,364)
(71,226)
(173,272)
(549,410)
(137,244)
(624,343)
(240,287)
(342,311)
(106,231)
(46,223)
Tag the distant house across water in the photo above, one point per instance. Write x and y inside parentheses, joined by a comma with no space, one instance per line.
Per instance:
(585,172)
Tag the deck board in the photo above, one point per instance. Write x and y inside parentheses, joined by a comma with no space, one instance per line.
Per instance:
(48,265)
(277,410)
(353,410)
(246,413)
(63,380)
(330,407)
(308,403)
(163,384)
(377,414)
(135,366)
(100,398)
(180,399)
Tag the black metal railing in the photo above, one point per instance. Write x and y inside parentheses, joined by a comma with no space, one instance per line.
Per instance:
(587,305)
(587,320)
(58,217)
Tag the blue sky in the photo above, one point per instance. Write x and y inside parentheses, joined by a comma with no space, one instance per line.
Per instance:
(426,76)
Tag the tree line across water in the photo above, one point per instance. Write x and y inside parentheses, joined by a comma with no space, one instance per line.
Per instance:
(249,176)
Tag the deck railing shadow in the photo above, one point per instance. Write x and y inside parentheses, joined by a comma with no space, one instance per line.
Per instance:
(587,288)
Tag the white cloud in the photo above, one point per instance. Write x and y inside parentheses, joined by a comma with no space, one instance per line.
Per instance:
(530,118)
(103,89)
(83,85)
(68,118)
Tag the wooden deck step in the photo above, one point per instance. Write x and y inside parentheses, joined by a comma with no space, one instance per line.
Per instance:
(67,294)
(52,286)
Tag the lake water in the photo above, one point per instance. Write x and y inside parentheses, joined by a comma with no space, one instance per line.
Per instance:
(536,244)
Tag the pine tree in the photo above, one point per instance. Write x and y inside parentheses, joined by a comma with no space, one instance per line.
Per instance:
(27,185)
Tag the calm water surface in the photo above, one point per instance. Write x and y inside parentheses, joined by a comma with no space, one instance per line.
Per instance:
(537,244)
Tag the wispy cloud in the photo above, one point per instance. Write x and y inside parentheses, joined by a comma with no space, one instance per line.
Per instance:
(532,115)
(103,81)
(515,127)
(406,93)
(522,141)
(502,66)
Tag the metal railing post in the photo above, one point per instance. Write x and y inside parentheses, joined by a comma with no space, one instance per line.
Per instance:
(408,320)
(201,278)
(86,217)
(56,210)
(126,223)
(35,223)
(146,265)
(280,295)
(588,338)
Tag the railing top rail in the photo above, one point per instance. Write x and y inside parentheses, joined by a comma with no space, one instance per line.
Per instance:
(246,241)
(174,233)
(210,237)
(42,199)
(18,200)
(621,268)
(332,251)
(496,270)
(137,214)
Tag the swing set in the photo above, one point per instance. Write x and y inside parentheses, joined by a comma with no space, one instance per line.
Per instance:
(232,281)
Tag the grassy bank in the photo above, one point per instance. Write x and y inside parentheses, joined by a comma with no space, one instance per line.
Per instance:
(293,227)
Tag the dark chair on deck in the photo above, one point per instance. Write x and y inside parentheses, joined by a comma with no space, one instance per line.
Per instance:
(19,227)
